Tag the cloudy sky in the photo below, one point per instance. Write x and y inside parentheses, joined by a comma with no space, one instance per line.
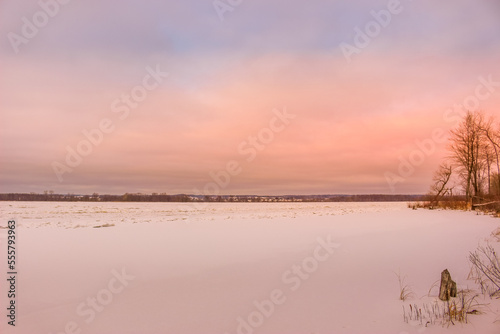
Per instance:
(238,97)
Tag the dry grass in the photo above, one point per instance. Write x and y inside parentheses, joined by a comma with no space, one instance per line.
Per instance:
(445,203)
(405,291)
(415,205)
(459,310)
(444,313)
(434,285)
(458,203)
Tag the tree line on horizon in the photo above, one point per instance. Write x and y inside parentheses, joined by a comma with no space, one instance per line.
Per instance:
(163,197)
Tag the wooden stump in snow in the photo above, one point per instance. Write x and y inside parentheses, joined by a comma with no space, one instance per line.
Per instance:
(448,287)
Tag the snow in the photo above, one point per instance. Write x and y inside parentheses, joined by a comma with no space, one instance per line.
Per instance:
(237,267)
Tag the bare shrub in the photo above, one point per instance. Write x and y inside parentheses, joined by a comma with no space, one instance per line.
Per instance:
(486,269)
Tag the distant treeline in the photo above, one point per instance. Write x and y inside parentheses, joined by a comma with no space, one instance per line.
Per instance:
(155,197)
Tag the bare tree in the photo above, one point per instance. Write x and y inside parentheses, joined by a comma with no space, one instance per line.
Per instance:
(492,135)
(466,148)
(495,188)
(441,179)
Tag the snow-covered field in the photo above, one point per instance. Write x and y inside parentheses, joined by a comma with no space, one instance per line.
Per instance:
(236,268)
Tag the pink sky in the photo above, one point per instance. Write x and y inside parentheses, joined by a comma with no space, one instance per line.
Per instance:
(353,120)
